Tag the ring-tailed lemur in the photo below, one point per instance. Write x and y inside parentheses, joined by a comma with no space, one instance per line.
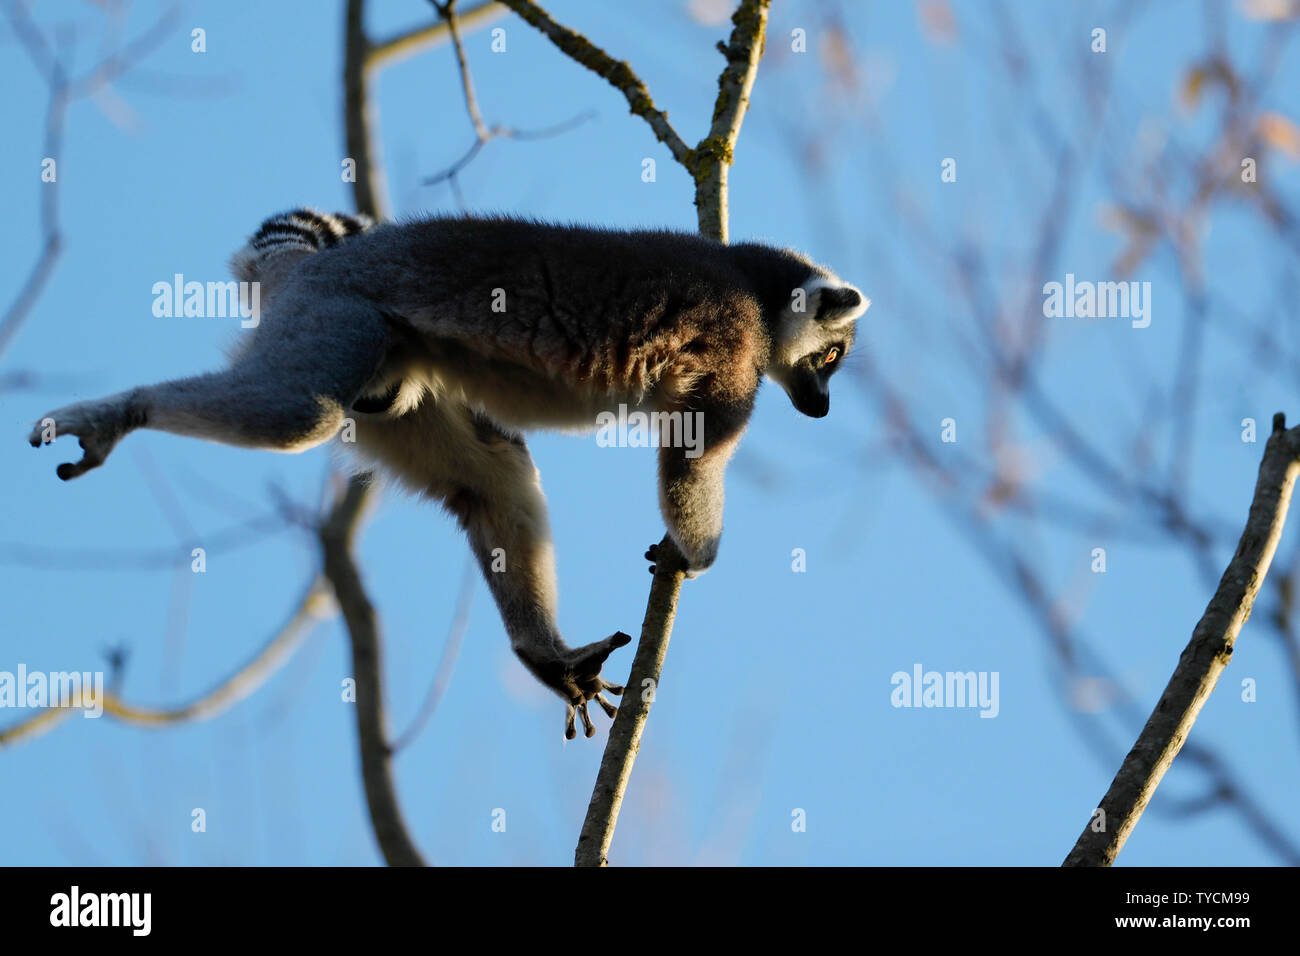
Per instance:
(445,338)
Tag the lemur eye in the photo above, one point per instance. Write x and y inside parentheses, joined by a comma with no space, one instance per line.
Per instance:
(831,356)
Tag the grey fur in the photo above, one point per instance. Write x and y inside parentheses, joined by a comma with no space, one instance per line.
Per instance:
(446,338)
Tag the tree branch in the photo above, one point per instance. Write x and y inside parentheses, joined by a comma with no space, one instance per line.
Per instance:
(229,692)
(409,42)
(616,72)
(336,537)
(1202,661)
(338,530)
(368,188)
(447,11)
(63,90)
(714,154)
(483,134)
(743,54)
(625,733)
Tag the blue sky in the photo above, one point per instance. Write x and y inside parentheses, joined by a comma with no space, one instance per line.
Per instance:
(776,692)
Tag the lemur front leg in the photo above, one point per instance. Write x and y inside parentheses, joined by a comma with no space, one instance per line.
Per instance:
(289,390)
(486,478)
(692,473)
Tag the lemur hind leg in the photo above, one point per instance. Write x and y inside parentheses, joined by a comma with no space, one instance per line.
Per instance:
(486,478)
(289,390)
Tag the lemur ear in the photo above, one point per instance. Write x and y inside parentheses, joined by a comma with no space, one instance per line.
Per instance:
(840,304)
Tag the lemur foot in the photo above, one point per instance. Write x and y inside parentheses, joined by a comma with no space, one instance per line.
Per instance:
(99,425)
(657,554)
(575,676)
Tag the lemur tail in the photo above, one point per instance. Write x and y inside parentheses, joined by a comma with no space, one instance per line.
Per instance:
(297,231)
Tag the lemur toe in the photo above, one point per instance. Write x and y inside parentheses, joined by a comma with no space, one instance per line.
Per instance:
(92,458)
(615,689)
(569,730)
(588,728)
(610,710)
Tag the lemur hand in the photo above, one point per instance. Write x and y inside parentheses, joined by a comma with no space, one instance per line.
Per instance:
(98,424)
(575,676)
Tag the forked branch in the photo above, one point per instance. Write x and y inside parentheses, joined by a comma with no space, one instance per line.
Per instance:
(707,164)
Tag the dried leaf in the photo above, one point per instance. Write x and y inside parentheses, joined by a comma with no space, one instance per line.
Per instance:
(1280,133)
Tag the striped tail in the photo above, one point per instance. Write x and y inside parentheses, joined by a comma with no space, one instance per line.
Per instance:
(297,231)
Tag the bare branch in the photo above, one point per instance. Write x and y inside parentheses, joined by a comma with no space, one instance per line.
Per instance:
(1076,657)
(229,692)
(63,91)
(616,72)
(369,192)
(133,559)
(1202,661)
(737,80)
(483,134)
(338,530)
(625,734)
(55,115)
(450,651)
(410,42)
(714,154)
(448,13)
(336,537)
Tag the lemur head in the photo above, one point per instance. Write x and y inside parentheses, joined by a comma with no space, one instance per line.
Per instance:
(812,335)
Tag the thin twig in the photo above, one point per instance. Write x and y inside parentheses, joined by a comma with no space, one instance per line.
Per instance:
(229,692)
(134,559)
(409,42)
(483,134)
(616,72)
(63,90)
(446,663)
(505,132)
(448,13)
